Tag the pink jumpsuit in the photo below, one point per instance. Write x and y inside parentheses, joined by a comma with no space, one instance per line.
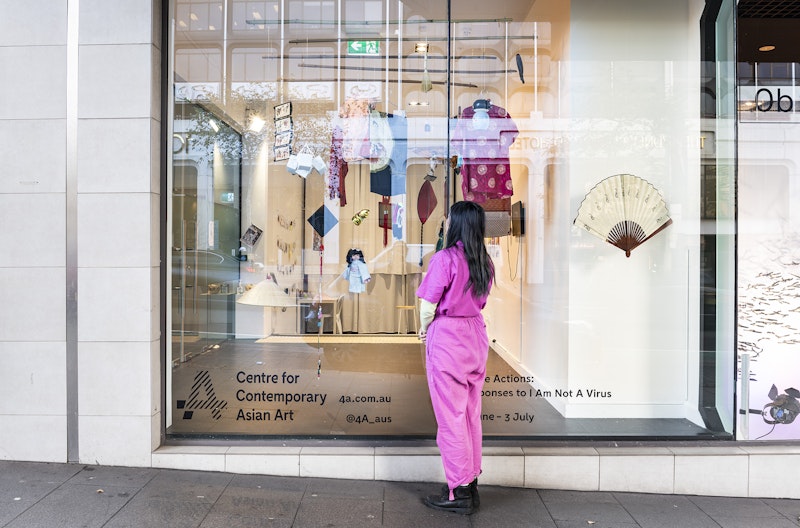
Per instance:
(456,352)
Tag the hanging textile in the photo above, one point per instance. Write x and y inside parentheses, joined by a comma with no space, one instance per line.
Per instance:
(355,114)
(399,160)
(484,149)
(337,168)
(381,141)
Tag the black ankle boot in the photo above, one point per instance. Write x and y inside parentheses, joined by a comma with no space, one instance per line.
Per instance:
(461,503)
(473,489)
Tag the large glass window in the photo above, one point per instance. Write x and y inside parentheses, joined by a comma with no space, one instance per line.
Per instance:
(318,146)
(769,156)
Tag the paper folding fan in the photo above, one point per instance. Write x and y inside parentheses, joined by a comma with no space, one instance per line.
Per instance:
(624,210)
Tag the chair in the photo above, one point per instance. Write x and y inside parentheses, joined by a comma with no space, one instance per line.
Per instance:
(336,315)
(404,310)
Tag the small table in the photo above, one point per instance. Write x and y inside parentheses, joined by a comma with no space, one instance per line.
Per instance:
(407,310)
(328,306)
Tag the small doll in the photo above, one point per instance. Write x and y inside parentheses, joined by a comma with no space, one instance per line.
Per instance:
(356,271)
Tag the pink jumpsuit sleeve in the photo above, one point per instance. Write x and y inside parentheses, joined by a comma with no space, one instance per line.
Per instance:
(437,280)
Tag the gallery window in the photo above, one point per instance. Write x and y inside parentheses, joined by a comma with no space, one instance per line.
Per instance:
(317,147)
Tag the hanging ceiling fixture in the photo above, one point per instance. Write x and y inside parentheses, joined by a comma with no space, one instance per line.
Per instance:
(267,293)
(427,85)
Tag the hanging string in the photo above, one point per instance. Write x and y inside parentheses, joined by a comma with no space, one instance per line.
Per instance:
(320,319)
(483,71)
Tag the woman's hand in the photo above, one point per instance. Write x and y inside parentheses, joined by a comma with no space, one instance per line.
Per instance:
(423,334)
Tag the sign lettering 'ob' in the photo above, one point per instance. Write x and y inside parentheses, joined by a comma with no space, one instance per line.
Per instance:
(766,104)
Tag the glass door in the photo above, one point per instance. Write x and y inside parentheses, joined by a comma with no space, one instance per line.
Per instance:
(205,230)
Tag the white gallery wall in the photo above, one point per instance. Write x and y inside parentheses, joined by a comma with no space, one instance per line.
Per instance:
(79,203)
(634,104)
(626,101)
(32,211)
(527,314)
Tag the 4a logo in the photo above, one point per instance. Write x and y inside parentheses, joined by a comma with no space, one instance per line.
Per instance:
(202,397)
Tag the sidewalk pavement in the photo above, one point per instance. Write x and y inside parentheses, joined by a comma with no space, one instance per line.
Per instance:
(44,495)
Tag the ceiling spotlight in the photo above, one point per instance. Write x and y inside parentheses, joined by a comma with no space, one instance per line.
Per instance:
(256,124)
(768,47)
(421,47)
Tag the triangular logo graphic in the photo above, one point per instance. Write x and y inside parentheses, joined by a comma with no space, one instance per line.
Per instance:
(202,396)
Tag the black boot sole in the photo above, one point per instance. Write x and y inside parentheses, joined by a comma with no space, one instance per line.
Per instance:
(460,511)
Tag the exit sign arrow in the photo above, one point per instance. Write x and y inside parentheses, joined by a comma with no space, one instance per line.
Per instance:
(363,47)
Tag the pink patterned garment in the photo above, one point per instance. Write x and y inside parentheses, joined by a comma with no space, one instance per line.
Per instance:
(486,170)
(355,125)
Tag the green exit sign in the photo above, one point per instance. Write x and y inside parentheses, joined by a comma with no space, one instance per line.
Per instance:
(363,47)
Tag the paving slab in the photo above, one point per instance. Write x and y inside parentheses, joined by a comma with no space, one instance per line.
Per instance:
(43,495)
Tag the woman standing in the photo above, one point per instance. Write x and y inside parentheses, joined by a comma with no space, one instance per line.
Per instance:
(452,295)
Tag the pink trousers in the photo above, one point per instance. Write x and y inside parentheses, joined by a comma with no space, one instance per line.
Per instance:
(456,352)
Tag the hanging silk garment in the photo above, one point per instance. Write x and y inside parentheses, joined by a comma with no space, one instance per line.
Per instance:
(355,114)
(486,169)
(381,141)
(337,168)
(399,162)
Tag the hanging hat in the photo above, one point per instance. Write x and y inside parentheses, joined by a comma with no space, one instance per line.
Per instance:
(322,220)
(481,104)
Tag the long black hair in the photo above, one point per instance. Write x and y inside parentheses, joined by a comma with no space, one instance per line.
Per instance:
(467,224)
(355,251)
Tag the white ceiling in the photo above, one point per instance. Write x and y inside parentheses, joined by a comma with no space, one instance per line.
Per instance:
(516,10)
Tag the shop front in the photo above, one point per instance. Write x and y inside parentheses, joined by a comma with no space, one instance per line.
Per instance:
(218,214)
(316,149)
